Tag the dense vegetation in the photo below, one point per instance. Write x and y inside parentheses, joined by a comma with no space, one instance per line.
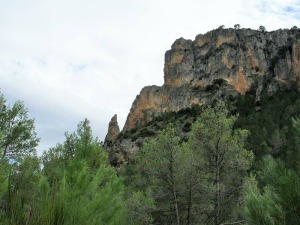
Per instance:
(234,163)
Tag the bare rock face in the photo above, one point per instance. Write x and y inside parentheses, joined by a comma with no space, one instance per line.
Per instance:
(154,100)
(219,64)
(113,131)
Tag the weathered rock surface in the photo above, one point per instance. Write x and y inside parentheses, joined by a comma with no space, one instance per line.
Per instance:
(219,64)
(113,131)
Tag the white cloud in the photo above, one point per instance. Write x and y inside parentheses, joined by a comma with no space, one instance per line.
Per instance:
(74,59)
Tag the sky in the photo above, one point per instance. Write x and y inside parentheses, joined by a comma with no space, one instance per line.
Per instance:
(75,59)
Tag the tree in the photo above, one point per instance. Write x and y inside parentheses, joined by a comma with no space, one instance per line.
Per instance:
(262,28)
(294,28)
(4,175)
(18,131)
(139,206)
(237,26)
(261,208)
(84,189)
(295,155)
(161,162)
(221,161)
(21,191)
(276,199)
(18,164)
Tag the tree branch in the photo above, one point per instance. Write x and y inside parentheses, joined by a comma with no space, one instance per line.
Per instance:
(237,222)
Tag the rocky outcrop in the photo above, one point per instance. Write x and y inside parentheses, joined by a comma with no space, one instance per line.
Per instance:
(113,132)
(222,63)
(154,100)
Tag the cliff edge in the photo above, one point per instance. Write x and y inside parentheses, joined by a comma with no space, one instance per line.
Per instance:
(220,64)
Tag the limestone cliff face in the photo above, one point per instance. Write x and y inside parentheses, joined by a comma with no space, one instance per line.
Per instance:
(242,58)
(154,100)
(219,64)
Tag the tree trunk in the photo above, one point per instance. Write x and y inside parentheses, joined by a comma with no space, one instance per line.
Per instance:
(189,203)
(217,180)
(4,152)
(218,194)
(176,205)
(171,169)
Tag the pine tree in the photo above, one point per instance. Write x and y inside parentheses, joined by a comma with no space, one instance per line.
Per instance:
(161,163)
(276,199)
(85,189)
(221,160)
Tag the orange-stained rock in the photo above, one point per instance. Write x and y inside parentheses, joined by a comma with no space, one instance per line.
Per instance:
(219,64)
(225,39)
(296,60)
(239,81)
(154,100)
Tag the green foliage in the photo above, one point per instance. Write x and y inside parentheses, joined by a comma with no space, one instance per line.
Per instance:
(278,200)
(183,179)
(146,132)
(18,136)
(187,127)
(294,156)
(261,208)
(183,118)
(4,172)
(89,190)
(160,160)
(171,181)
(4,178)
(88,198)
(269,123)
(139,205)
(76,186)
(21,194)
(19,168)
(221,160)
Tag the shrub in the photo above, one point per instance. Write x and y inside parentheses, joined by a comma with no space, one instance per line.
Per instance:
(145,132)
(187,127)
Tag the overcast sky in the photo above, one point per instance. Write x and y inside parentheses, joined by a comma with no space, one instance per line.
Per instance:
(75,59)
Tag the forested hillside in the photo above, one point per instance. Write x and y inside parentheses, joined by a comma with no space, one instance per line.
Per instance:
(239,165)
(218,143)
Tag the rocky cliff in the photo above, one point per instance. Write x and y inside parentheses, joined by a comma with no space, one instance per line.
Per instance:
(220,64)
(113,132)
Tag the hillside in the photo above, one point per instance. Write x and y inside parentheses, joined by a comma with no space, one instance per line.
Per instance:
(241,66)
(218,143)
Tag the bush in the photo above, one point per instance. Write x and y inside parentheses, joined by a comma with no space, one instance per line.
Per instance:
(134,130)
(187,127)
(145,132)
(219,81)
(209,87)
(283,50)
(134,138)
